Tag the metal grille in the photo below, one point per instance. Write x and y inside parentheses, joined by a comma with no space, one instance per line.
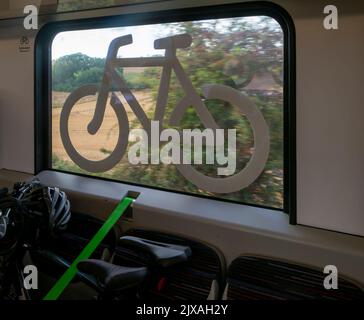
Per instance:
(256,278)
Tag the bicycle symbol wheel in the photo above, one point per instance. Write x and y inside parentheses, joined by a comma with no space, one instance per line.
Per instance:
(122,142)
(260,155)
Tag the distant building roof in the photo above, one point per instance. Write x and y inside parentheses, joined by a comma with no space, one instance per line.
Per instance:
(263,82)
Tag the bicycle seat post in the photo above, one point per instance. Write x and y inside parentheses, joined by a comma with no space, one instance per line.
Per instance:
(112,53)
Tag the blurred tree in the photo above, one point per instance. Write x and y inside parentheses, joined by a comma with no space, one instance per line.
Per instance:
(72,71)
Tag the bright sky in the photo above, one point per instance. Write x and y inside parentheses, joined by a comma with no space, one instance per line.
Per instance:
(95,42)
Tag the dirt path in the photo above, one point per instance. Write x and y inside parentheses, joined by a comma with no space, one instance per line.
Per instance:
(93,147)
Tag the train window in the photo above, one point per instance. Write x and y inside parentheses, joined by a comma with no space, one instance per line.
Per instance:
(189,103)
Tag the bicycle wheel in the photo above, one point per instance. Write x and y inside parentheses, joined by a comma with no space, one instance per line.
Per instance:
(257,162)
(123,123)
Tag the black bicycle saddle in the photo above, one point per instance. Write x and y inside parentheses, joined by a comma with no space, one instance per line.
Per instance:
(112,277)
(162,254)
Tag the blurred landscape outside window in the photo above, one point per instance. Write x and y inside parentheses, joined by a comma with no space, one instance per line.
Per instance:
(245,53)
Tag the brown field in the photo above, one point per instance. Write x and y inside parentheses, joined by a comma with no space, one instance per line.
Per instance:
(93,147)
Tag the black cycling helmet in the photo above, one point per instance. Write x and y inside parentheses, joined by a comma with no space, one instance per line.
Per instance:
(58,208)
(50,204)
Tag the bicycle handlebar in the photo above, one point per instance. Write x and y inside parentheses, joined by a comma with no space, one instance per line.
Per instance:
(118,43)
(178,41)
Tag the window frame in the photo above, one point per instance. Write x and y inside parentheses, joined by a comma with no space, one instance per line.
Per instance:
(43,84)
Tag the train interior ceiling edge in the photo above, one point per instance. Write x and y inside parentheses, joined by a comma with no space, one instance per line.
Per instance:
(303,211)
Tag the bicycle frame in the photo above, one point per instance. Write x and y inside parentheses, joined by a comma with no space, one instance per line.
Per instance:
(169,62)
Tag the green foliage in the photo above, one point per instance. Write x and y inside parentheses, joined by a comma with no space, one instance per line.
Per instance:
(139,81)
(72,71)
(231,55)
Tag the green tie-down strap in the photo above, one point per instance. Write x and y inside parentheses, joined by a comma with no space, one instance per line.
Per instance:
(67,277)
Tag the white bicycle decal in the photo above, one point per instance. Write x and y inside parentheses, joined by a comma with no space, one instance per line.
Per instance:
(169,62)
